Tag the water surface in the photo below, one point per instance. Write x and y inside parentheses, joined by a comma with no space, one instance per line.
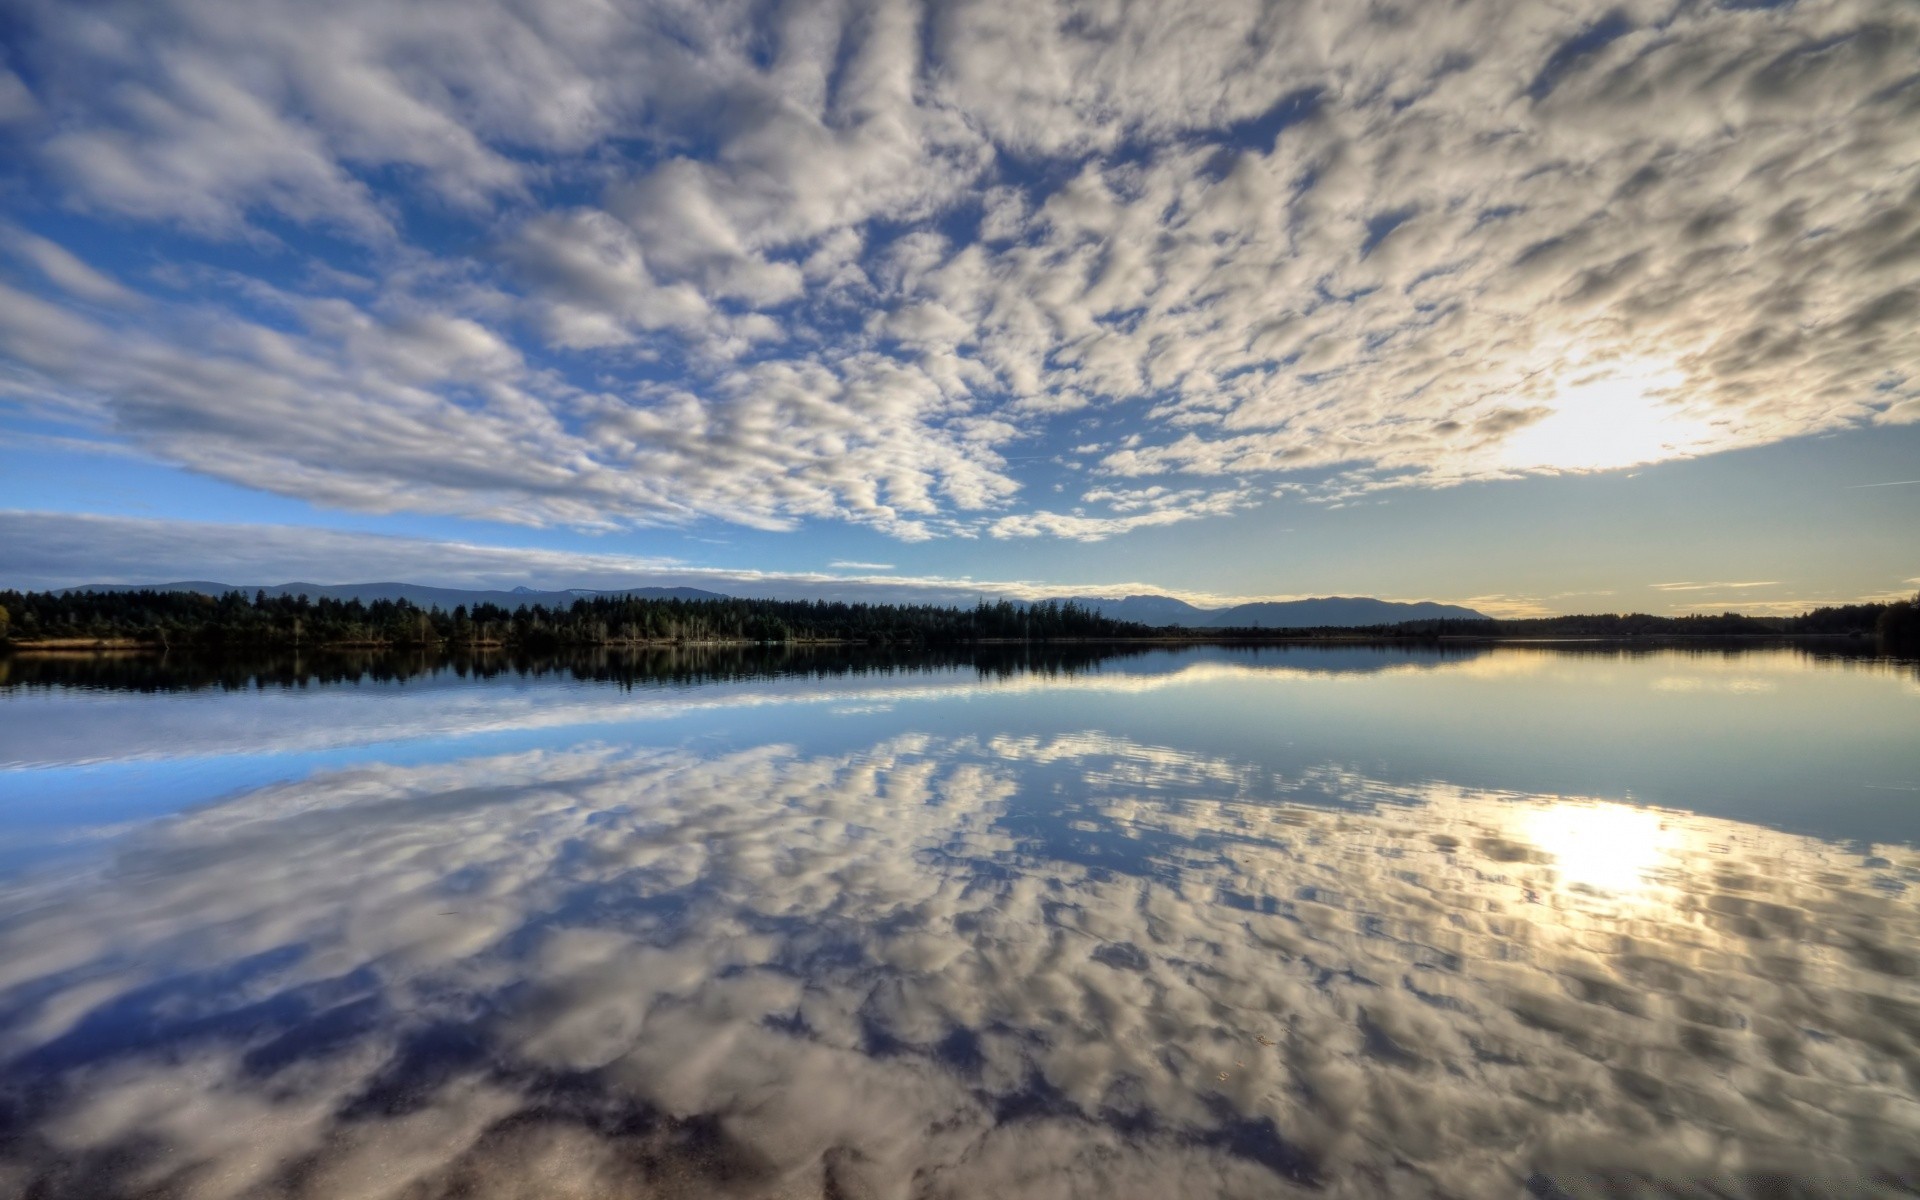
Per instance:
(1339,922)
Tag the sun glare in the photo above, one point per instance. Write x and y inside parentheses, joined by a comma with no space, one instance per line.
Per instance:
(1613,415)
(1606,847)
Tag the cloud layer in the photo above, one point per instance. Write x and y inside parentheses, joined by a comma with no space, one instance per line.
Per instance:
(601,264)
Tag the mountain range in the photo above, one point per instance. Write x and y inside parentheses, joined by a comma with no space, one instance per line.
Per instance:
(1148,610)
(1276,614)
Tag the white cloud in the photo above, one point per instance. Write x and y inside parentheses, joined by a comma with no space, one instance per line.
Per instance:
(417,408)
(1136,508)
(16,99)
(66,271)
(1413,248)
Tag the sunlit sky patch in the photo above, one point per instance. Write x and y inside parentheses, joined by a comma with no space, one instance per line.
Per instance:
(1531,307)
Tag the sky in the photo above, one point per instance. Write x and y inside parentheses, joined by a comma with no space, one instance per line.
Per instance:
(1541,308)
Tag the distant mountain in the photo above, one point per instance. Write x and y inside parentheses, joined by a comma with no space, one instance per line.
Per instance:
(446,599)
(1337,610)
(1278,614)
(1148,610)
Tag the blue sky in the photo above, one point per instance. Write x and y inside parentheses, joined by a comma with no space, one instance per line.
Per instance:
(1539,308)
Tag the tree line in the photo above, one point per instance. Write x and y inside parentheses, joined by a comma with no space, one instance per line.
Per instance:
(1897,622)
(237,621)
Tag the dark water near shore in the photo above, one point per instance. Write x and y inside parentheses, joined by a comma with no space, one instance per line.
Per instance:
(1496,921)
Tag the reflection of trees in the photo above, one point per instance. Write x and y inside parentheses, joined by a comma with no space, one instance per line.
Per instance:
(934,967)
(139,672)
(180,671)
(1899,625)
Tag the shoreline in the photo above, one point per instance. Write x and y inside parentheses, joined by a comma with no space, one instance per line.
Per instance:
(77,647)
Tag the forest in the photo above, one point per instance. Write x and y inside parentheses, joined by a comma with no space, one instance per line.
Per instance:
(238,622)
(1895,621)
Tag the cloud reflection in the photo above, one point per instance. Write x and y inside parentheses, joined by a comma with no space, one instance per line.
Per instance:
(936,966)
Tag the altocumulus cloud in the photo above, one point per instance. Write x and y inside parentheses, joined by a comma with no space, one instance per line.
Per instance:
(608,264)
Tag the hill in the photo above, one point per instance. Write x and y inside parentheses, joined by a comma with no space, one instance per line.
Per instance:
(1148,610)
(1324,613)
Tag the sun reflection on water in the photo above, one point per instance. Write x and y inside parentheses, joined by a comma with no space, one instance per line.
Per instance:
(1611,848)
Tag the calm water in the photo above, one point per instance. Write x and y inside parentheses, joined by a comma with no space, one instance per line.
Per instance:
(1353,922)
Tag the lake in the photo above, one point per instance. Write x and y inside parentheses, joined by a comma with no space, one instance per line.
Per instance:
(1334,921)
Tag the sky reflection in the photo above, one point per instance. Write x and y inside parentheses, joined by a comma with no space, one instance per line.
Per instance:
(1816,745)
(906,953)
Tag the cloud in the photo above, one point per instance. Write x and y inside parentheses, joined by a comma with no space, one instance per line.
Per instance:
(793,263)
(16,99)
(764,971)
(1791,607)
(415,408)
(1502,606)
(52,550)
(845,565)
(66,271)
(1138,508)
